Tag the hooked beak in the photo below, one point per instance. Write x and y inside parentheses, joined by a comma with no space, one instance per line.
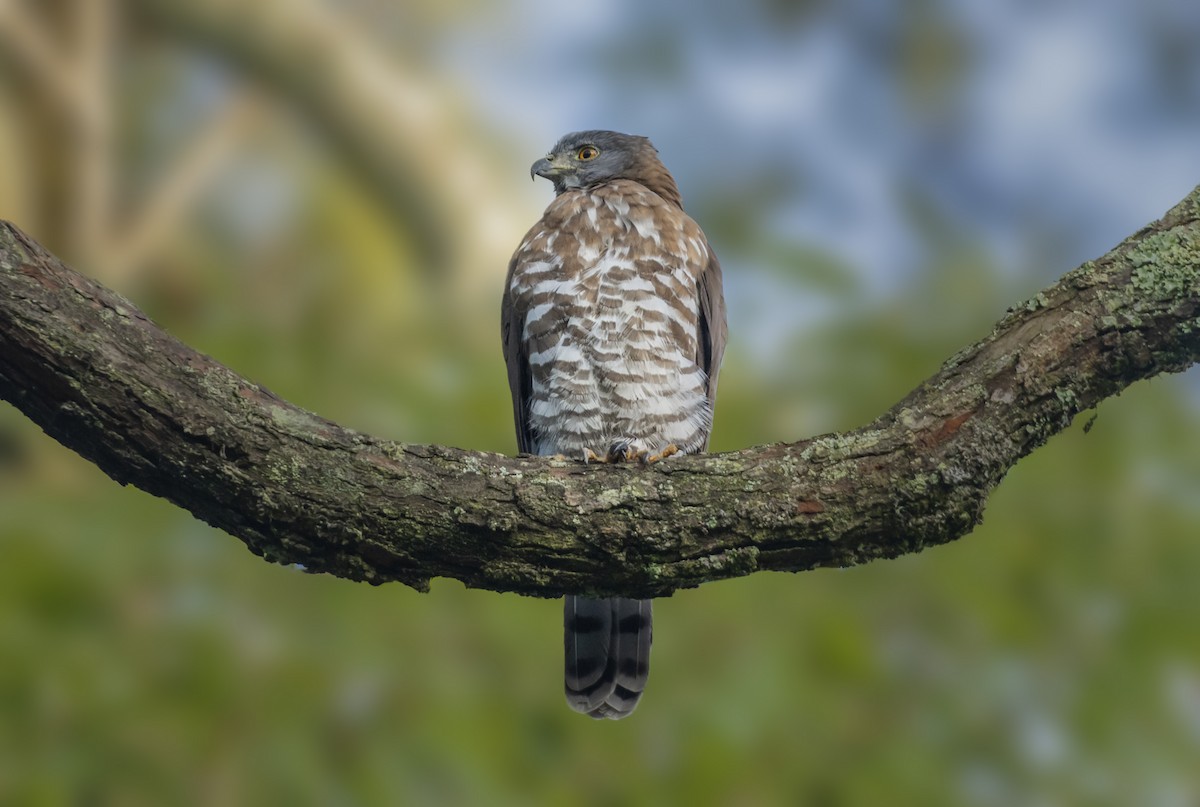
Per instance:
(548,167)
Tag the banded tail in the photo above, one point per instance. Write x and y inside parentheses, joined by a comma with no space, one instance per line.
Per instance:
(607,644)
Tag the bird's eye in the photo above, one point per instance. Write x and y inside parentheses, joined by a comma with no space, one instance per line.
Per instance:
(588,153)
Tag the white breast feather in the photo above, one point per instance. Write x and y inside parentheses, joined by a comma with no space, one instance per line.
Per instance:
(600,392)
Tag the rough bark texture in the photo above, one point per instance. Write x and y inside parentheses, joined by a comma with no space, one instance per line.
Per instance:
(103,380)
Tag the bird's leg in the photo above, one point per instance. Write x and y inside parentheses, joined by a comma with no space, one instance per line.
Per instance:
(592,456)
(649,459)
(624,450)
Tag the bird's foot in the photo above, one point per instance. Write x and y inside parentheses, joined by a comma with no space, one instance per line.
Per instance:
(669,450)
(627,450)
(624,450)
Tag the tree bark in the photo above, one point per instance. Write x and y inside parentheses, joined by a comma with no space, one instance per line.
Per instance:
(105,381)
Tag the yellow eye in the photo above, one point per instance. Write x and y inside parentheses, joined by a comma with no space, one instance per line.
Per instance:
(588,153)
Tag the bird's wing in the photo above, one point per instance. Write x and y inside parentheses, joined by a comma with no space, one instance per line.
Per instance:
(516,356)
(710,344)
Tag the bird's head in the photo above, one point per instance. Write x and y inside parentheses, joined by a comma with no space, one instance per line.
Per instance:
(588,159)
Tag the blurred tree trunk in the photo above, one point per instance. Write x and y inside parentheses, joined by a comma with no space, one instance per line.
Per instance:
(65,58)
(103,380)
(45,112)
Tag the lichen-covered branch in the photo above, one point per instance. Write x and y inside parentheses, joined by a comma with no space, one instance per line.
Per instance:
(105,381)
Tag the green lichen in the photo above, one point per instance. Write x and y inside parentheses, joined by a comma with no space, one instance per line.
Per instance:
(1081,276)
(360,569)
(1189,326)
(1066,396)
(1034,303)
(1166,265)
(503,522)
(472,465)
(610,497)
(918,486)
(11,253)
(291,419)
(393,450)
(116,310)
(723,465)
(504,471)
(285,470)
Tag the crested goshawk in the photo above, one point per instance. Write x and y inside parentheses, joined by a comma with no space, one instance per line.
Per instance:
(613,323)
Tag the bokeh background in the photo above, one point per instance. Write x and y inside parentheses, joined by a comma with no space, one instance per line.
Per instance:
(324,194)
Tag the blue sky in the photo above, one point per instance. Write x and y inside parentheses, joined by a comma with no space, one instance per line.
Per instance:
(1070,121)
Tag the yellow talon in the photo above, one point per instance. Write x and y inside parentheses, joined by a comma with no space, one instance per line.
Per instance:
(670,450)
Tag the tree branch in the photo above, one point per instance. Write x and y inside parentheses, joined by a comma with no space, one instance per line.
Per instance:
(105,381)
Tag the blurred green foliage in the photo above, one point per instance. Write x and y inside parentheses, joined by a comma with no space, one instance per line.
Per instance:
(146,659)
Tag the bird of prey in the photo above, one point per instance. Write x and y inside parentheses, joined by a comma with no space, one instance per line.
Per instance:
(613,324)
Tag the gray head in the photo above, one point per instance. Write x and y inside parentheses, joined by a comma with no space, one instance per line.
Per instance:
(587,159)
